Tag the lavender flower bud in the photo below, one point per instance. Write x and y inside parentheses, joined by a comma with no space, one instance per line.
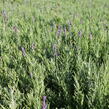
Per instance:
(23,51)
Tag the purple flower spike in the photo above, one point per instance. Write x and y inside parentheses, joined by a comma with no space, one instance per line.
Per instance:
(70,25)
(80,34)
(23,51)
(15,29)
(65,31)
(4,14)
(44,106)
(90,36)
(59,31)
(33,46)
(55,50)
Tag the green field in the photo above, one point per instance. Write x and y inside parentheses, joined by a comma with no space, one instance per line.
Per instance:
(54,48)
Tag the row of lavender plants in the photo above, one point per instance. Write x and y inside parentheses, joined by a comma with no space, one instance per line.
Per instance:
(54,54)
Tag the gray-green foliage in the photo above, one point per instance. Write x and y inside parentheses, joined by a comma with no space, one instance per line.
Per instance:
(54,48)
